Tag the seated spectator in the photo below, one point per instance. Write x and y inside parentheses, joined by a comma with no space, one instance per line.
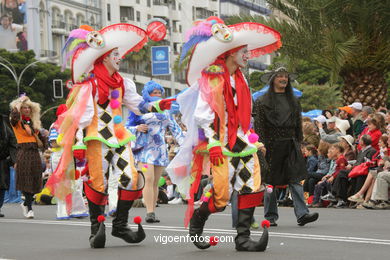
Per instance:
(364,194)
(323,164)
(375,126)
(357,118)
(380,194)
(342,183)
(309,134)
(346,114)
(338,163)
(347,142)
(333,132)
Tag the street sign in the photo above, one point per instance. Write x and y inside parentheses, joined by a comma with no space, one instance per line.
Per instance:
(160,60)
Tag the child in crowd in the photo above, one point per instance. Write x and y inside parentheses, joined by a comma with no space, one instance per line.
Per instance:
(323,164)
(338,163)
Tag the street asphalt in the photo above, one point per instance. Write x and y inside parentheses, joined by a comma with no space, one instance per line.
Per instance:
(338,234)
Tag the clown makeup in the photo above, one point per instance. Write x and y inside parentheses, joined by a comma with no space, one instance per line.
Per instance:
(156,93)
(113,60)
(25,110)
(241,57)
(280,82)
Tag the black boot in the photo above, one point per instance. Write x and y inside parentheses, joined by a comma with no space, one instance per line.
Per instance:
(197,223)
(96,204)
(119,224)
(243,241)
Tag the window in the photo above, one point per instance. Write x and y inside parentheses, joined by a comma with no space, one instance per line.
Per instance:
(149,17)
(173,2)
(148,3)
(138,16)
(202,13)
(126,13)
(176,48)
(174,25)
(137,1)
(179,6)
(108,12)
(179,28)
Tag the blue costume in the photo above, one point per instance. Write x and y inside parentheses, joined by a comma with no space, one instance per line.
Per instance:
(150,147)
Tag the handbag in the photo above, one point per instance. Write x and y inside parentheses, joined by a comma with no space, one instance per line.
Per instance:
(360,170)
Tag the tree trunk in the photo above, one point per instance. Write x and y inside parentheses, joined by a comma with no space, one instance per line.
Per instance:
(366,87)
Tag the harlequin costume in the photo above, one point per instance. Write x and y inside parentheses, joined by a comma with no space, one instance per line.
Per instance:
(93,126)
(217,112)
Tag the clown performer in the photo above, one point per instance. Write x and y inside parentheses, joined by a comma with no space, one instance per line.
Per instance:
(92,127)
(78,209)
(217,113)
(150,149)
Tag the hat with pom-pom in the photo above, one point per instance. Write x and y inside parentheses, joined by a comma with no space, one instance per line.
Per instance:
(213,38)
(85,45)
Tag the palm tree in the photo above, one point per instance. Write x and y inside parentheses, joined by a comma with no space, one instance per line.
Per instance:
(348,37)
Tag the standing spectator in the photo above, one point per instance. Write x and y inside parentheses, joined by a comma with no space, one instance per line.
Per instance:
(7,157)
(278,122)
(25,121)
(357,118)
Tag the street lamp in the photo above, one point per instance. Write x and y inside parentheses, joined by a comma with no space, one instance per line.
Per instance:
(6,64)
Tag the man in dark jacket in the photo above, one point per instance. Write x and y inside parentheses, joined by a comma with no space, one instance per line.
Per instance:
(7,156)
(278,123)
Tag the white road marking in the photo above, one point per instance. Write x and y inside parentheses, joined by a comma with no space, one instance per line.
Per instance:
(361,240)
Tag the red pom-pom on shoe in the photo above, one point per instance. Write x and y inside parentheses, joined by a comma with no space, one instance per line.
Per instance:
(101,218)
(137,220)
(265,223)
(89,181)
(213,241)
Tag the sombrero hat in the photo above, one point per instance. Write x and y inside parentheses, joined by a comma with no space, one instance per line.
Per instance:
(210,38)
(87,45)
(266,77)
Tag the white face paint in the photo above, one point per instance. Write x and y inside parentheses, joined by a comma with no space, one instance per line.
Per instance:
(241,57)
(114,59)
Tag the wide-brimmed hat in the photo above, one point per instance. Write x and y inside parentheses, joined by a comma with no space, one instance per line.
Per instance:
(211,38)
(342,125)
(87,45)
(348,138)
(266,77)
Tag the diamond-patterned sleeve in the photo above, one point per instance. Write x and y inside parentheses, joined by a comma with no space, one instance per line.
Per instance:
(132,100)
(175,129)
(204,118)
(259,118)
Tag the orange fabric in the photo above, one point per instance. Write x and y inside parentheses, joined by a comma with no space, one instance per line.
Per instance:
(256,173)
(221,184)
(134,172)
(95,159)
(21,134)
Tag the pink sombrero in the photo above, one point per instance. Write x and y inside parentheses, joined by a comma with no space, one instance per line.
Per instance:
(87,45)
(211,38)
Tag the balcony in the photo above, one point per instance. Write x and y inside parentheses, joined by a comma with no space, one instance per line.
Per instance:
(160,11)
(202,3)
(250,5)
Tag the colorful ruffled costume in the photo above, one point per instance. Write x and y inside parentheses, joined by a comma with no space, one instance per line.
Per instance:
(216,110)
(93,126)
